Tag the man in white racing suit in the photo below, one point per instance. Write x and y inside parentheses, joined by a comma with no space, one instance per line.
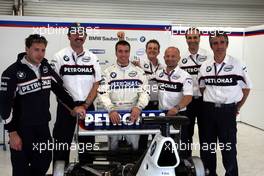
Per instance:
(123,87)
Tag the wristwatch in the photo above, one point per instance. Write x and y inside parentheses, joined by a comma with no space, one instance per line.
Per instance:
(178,107)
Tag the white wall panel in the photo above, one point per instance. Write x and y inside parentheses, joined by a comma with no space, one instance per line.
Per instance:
(253,55)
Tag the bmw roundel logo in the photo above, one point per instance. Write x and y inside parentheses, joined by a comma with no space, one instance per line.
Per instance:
(142,39)
(113,74)
(184,60)
(45,69)
(146,65)
(66,58)
(208,69)
(161,74)
(21,75)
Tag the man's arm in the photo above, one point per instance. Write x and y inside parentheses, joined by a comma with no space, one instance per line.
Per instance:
(246,86)
(55,63)
(187,96)
(244,98)
(142,100)
(186,99)
(104,98)
(98,78)
(63,95)
(92,95)
(7,93)
(7,97)
(104,92)
(143,92)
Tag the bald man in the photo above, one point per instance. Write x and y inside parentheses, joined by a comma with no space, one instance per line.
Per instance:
(175,91)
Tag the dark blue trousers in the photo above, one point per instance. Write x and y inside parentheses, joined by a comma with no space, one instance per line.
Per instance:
(219,123)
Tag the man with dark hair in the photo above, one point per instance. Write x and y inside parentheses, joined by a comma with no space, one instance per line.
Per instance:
(123,88)
(225,86)
(151,64)
(191,62)
(122,42)
(25,90)
(80,71)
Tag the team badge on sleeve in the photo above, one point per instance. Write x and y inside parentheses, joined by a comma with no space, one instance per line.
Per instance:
(184,60)
(113,74)
(161,74)
(146,65)
(21,75)
(208,68)
(66,58)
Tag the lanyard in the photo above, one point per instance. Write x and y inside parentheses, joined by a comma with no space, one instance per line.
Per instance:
(195,59)
(151,70)
(169,75)
(73,57)
(217,72)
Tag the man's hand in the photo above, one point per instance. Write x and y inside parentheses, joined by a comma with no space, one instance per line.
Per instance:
(136,63)
(79,110)
(135,112)
(15,141)
(121,35)
(114,117)
(172,112)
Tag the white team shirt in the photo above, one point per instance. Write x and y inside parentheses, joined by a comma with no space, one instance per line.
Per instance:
(192,63)
(150,71)
(172,87)
(78,72)
(223,82)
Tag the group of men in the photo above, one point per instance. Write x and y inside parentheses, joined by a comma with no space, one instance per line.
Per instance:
(211,89)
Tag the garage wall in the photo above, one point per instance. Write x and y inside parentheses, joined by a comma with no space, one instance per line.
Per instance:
(235,13)
(253,55)
(6,7)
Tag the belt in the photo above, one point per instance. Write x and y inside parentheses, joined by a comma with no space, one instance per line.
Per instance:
(197,97)
(78,103)
(221,105)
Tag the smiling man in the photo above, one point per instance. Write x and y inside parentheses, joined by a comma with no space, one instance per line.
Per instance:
(175,90)
(225,85)
(81,73)
(124,87)
(24,104)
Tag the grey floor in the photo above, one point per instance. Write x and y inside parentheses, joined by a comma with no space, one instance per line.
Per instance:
(250,153)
